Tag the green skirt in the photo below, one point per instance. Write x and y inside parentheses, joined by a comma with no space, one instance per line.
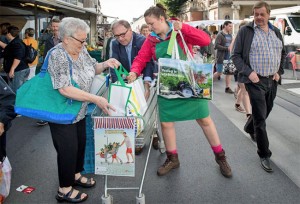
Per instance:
(181,109)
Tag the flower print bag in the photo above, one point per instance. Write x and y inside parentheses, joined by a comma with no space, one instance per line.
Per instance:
(37,99)
(180,78)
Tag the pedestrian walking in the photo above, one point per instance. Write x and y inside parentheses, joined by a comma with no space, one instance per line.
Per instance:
(259,57)
(222,45)
(172,110)
(14,63)
(240,92)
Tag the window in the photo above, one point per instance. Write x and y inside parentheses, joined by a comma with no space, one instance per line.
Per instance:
(295,21)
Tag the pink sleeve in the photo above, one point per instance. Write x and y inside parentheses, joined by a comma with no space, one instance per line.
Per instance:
(145,55)
(195,36)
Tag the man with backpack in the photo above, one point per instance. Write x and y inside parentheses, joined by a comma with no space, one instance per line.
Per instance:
(14,63)
(30,41)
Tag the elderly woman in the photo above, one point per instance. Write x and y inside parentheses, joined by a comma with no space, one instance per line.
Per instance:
(69,140)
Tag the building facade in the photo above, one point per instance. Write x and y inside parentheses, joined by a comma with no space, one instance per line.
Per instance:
(195,10)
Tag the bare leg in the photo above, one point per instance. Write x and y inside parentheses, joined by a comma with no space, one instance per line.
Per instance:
(132,157)
(216,75)
(172,161)
(169,135)
(209,130)
(212,137)
(245,99)
(227,80)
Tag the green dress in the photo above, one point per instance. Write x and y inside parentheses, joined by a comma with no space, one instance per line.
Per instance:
(178,109)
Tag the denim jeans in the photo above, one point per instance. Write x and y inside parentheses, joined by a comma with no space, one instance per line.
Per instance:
(19,79)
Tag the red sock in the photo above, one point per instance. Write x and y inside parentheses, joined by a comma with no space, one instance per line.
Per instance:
(217,149)
(173,151)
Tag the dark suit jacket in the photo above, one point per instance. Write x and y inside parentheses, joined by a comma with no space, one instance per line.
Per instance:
(119,53)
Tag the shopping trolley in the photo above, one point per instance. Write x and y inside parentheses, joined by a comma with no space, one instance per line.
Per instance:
(150,130)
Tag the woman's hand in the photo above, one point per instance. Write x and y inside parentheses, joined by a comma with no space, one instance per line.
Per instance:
(131,77)
(177,25)
(112,62)
(104,105)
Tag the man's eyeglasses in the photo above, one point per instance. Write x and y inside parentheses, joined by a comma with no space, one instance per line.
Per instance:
(81,41)
(121,35)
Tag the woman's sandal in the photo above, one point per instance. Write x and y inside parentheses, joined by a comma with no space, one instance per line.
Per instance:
(61,197)
(87,184)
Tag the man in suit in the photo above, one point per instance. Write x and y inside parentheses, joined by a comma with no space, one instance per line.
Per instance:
(126,47)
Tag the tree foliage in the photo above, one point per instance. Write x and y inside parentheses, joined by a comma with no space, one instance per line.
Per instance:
(173,6)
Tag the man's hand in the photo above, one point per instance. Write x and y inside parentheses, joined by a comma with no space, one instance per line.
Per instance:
(11,73)
(276,77)
(253,77)
(1,128)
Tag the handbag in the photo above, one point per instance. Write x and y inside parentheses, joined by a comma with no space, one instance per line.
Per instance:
(183,78)
(37,99)
(229,68)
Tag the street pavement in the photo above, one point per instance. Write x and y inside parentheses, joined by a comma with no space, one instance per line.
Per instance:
(198,180)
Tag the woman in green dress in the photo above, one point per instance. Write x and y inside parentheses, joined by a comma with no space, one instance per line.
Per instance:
(171,110)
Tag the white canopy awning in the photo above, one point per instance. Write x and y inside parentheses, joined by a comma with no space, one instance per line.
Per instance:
(211,22)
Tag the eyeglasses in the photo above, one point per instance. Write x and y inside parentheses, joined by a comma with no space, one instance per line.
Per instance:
(81,41)
(121,35)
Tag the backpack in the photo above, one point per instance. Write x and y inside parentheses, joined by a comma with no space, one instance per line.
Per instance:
(30,53)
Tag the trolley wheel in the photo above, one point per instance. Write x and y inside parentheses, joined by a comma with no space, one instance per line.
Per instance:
(140,200)
(107,200)
(162,147)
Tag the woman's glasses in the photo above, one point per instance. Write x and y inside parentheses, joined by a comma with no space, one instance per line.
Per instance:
(81,41)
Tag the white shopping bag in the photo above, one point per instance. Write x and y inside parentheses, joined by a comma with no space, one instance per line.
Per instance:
(137,103)
(118,97)
(5,179)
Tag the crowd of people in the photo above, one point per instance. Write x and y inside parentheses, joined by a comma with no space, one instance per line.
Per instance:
(257,81)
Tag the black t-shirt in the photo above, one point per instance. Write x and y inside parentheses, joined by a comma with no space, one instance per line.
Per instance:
(14,50)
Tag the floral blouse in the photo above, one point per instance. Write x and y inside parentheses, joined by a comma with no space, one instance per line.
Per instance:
(83,72)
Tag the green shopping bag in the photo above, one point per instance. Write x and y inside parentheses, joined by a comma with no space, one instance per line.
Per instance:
(37,99)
